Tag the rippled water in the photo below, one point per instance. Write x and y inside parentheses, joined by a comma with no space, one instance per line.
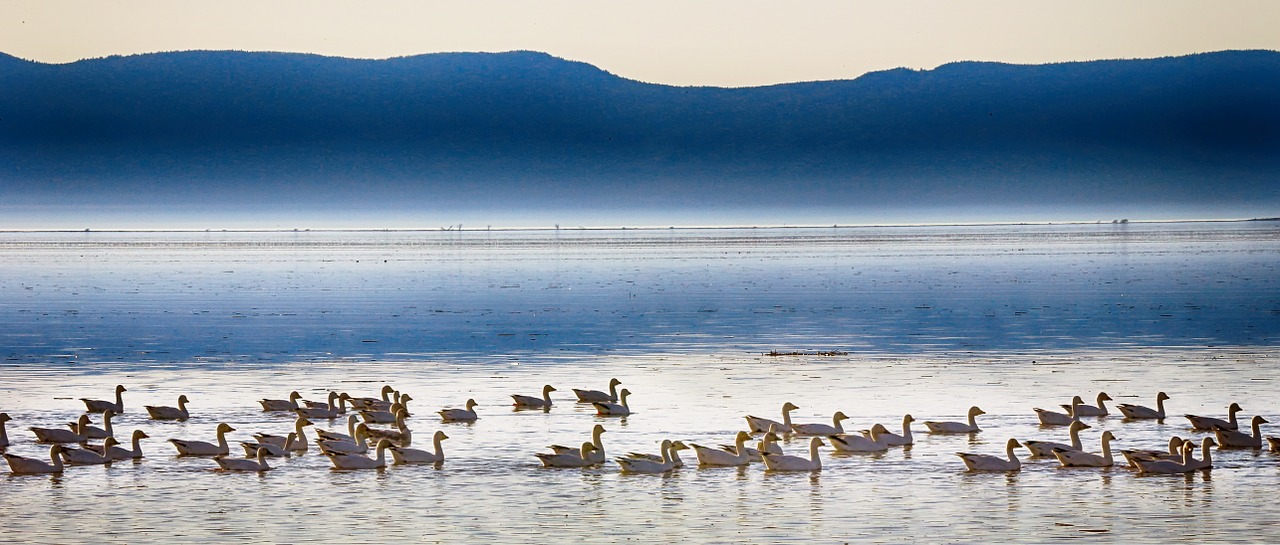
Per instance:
(930,321)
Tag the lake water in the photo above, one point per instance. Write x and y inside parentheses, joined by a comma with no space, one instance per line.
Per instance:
(923,320)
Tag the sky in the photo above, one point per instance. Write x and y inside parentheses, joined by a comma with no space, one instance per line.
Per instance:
(730,43)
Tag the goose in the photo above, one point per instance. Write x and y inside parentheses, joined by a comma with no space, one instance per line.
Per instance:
(460,415)
(761,425)
(646,465)
(84,456)
(592,396)
(251,448)
(1045,448)
(784,462)
(957,427)
(290,404)
(374,403)
(21,465)
(120,453)
(358,446)
(401,436)
(822,429)
(675,456)
(98,405)
(987,462)
(403,455)
(857,443)
(597,444)
(388,416)
(1207,461)
(170,413)
(328,435)
(202,448)
(1079,458)
(1207,423)
(4,435)
(530,402)
(1051,418)
(768,443)
(300,437)
(1238,439)
(1174,453)
(1090,410)
(336,407)
(605,408)
(245,464)
(1138,412)
(59,435)
(94,432)
(881,434)
(715,457)
(357,461)
(1185,465)
(582,458)
(1273,443)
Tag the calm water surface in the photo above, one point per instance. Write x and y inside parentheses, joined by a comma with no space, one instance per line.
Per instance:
(930,321)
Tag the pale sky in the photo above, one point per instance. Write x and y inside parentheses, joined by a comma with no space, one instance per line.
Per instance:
(680,42)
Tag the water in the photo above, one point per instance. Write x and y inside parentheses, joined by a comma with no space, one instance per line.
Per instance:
(926,320)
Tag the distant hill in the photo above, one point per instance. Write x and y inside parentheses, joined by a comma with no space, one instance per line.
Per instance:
(527,129)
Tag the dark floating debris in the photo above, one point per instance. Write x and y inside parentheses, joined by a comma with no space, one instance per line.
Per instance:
(775,353)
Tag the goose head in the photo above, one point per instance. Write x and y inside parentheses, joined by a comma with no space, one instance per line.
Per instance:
(182,399)
(1234,408)
(107,415)
(1077,400)
(471,403)
(1258,420)
(816,442)
(679,445)
(1175,442)
(303,422)
(742,437)
(1161,396)
(362,431)
(1208,442)
(120,389)
(975,411)
(225,428)
(840,416)
(614,382)
(908,419)
(405,399)
(623,395)
(4,417)
(788,407)
(384,444)
(597,430)
(110,442)
(879,429)
(137,434)
(82,423)
(1108,436)
(548,389)
(1102,396)
(386,390)
(439,436)
(1077,425)
(294,396)
(587,448)
(1012,444)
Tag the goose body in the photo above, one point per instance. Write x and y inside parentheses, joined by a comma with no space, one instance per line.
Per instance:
(245,464)
(328,435)
(1138,412)
(251,448)
(857,443)
(94,432)
(1239,439)
(645,465)
(1174,453)
(1207,423)
(1185,465)
(59,435)
(170,413)
(757,424)
(836,428)
(121,453)
(21,465)
(1273,444)
(83,457)
(957,427)
(403,455)
(987,462)
(357,461)
(592,396)
(299,442)
(359,446)
(1052,418)
(461,415)
(881,434)
(785,462)
(98,405)
(531,402)
(290,404)
(715,457)
(597,446)
(1090,410)
(1077,458)
(605,408)
(582,458)
(202,448)
(1046,448)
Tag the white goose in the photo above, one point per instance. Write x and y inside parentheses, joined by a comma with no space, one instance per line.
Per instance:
(336,407)
(251,448)
(957,427)
(1206,423)
(1174,453)
(784,462)
(605,408)
(460,415)
(1090,410)
(202,448)
(403,455)
(98,405)
(299,443)
(1051,418)
(592,396)
(245,464)
(857,443)
(21,465)
(768,443)
(357,461)
(987,462)
(290,404)
(675,455)
(646,465)
(170,413)
(1183,465)
(582,458)
(1238,439)
(358,446)
(1138,412)
(715,457)
(530,402)
(1046,448)
(4,435)
(836,428)
(1207,461)
(329,435)
(881,434)
(59,435)
(121,453)
(761,425)
(94,432)
(381,403)
(388,416)
(84,456)
(597,444)
(1078,458)
(401,436)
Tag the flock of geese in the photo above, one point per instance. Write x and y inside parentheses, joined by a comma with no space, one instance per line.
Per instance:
(376,425)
